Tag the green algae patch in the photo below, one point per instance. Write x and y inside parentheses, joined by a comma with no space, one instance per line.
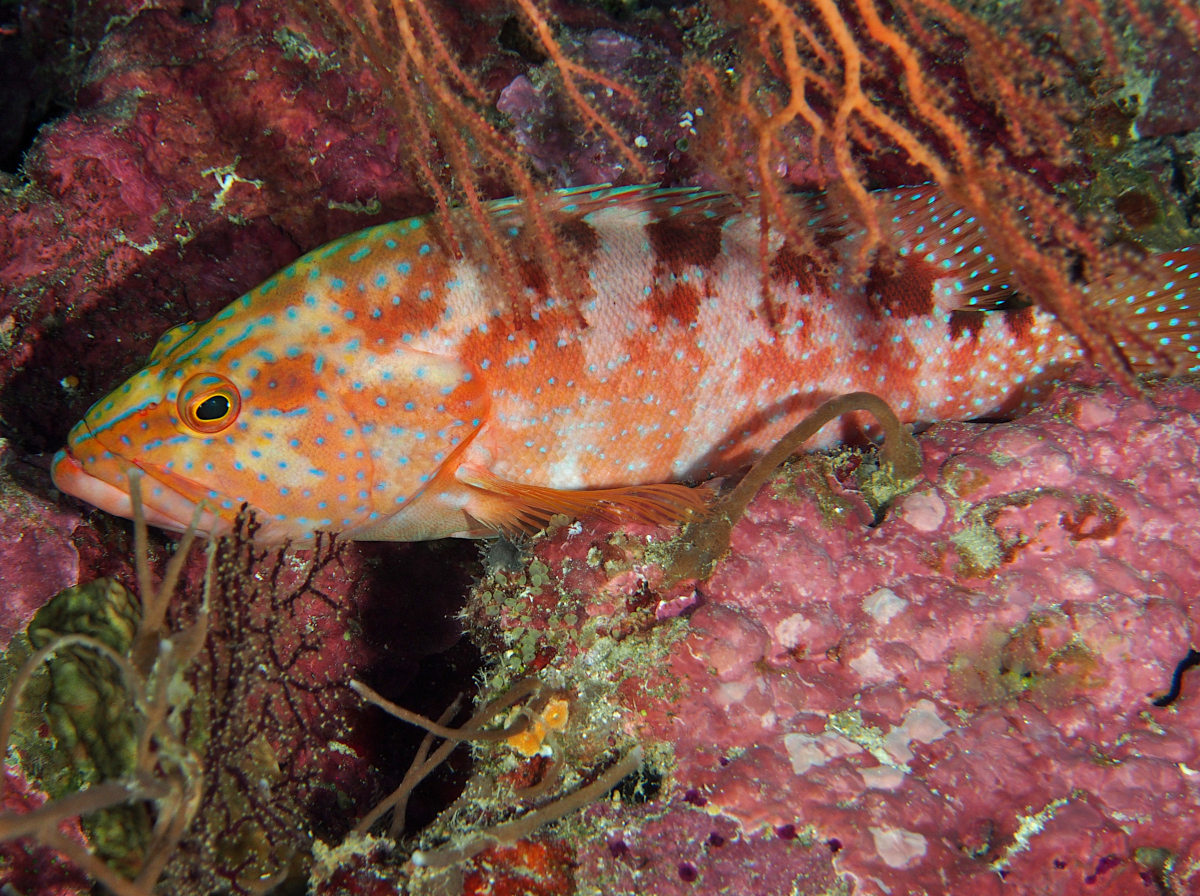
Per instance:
(75,726)
(980,550)
(850,725)
(960,478)
(812,477)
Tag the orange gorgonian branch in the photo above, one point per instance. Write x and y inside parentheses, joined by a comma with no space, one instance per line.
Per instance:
(460,151)
(837,85)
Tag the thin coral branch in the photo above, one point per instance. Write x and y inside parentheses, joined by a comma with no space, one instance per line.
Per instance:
(852,100)
(421,767)
(703,543)
(569,71)
(92,866)
(469,732)
(48,816)
(527,824)
(508,832)
(149,637)
(443,54)
(397,800)
(414,776)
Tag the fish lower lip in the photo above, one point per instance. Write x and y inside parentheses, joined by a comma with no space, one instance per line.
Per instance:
(70,478)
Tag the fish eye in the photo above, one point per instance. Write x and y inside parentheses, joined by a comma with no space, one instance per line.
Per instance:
(208,402)
(213,408)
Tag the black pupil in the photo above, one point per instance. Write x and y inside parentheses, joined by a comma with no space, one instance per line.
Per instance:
(213,408)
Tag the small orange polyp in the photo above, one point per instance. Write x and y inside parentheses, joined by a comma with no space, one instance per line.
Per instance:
(529,741)
(556,714)
(553,717)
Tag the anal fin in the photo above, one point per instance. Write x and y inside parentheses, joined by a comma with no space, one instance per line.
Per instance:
(473,503)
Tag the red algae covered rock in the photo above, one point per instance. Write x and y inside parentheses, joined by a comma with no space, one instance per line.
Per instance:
(35,870)
(203,154)
(38,557)
(960,694)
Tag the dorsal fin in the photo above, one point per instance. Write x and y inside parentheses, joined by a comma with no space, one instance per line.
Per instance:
(684,204)
(171,338)
(938,241)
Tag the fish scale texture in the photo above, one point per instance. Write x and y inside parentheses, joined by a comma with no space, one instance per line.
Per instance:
(957,698)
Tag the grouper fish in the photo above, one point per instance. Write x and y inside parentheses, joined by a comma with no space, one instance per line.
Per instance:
(391,385)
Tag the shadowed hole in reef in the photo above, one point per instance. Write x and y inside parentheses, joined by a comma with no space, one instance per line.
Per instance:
(26,96)
(423,661)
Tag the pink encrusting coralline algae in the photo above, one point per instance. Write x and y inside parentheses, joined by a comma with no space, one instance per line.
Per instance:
(958,697)
(955,694)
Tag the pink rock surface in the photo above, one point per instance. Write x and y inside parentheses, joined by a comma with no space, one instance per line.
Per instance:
(957,698)
(38,557)
(26,868)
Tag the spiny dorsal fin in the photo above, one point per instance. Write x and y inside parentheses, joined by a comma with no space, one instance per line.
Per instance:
(938,241)
(685,204)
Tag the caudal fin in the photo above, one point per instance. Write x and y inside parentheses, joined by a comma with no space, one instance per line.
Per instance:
(1153,315)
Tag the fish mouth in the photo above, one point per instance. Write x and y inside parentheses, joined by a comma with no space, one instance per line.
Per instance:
(162,505)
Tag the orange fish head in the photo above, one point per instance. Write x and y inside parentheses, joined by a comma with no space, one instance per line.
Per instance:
(218,429)
(137,427)
(283,403)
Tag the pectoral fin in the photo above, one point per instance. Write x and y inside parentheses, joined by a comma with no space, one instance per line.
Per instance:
(473,503)
(514,507)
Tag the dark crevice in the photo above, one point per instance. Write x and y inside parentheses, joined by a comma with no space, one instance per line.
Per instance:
(422,661)
(26,98)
